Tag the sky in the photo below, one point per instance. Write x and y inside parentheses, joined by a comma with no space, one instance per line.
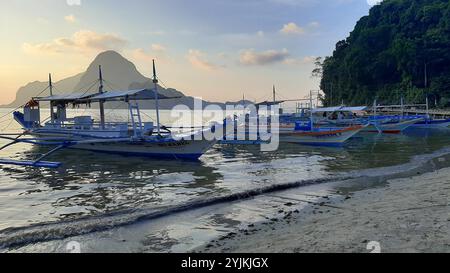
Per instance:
(217,50)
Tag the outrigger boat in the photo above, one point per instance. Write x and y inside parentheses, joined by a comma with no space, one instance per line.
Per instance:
(429,123)
(391,124)
(293,128)
(345,116)
(425,120)
(317,136)
(135,138)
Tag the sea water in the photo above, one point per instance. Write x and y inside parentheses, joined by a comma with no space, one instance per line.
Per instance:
(109,200)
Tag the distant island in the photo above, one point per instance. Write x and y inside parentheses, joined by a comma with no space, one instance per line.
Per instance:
(400,50)
(120,73)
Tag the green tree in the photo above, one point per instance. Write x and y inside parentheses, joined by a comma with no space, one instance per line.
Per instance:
(401,49)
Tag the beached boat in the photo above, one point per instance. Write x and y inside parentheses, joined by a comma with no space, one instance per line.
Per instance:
(133,138)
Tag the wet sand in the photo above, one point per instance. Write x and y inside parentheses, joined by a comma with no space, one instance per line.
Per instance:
(402,215)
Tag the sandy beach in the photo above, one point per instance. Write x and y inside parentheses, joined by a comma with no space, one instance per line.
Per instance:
(402,215)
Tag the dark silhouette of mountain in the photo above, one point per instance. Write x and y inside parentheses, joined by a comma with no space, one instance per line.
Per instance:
(25,93)
(118,73)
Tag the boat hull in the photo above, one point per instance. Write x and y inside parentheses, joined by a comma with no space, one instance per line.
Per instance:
(324,137)
(188,148)
(391,128)
(183,149)
(439,124)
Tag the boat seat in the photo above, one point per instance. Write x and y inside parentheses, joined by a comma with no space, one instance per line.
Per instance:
(83,122)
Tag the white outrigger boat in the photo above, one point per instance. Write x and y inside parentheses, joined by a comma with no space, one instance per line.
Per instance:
(134,138)
(345,116)
(320,136)
(294,128)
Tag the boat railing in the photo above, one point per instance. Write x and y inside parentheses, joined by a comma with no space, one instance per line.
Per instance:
(70,124)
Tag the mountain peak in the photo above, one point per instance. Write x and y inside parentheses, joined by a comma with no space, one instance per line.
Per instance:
(116,70)
(107,55)
(118,73)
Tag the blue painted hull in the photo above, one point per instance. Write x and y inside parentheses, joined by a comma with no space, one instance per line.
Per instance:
(442,123)
(192,157)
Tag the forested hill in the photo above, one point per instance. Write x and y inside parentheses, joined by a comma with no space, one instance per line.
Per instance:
(401,49)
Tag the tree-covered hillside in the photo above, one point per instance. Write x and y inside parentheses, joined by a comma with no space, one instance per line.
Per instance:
(401,49)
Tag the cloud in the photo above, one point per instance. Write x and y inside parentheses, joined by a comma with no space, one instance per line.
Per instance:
(156,52)
(314,24)
(43,21)
(141,54)
(197,59)
(84,41)
(292,28)
(70,18)
(374,2)
(304,60)
(251,57)
(158,47)
(154,33)
(73,2)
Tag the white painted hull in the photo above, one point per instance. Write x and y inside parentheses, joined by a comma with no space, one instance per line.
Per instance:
(183,149)
(325,137)
(148,147)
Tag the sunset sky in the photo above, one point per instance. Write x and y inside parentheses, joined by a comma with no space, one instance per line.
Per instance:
(214,49)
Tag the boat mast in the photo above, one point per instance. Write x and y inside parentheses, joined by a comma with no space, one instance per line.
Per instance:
(403,108)
(375,108)
(311,109)
(155,82)
(101,102)
(274,94)
(50,86)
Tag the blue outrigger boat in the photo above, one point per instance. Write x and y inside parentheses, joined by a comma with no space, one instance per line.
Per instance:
(132,138)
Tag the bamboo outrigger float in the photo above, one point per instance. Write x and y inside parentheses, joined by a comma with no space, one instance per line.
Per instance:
(135,138)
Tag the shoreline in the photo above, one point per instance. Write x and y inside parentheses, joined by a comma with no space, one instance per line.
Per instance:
(409,214)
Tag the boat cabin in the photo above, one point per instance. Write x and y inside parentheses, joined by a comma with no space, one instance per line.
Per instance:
(85,125)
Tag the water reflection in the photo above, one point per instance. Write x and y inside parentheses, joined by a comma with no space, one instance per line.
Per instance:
(95,184)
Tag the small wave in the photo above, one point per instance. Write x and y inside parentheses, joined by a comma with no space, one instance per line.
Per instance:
(12,237)
(15,237)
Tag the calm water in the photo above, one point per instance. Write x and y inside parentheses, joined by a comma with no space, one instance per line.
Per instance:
(94,184)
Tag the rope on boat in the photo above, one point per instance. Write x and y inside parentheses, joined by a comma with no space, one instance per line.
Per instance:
(9,113)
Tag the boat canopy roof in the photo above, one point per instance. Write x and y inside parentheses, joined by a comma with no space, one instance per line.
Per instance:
(138,94)
(340,108)
(66,97)
(269,103)
(355,108)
